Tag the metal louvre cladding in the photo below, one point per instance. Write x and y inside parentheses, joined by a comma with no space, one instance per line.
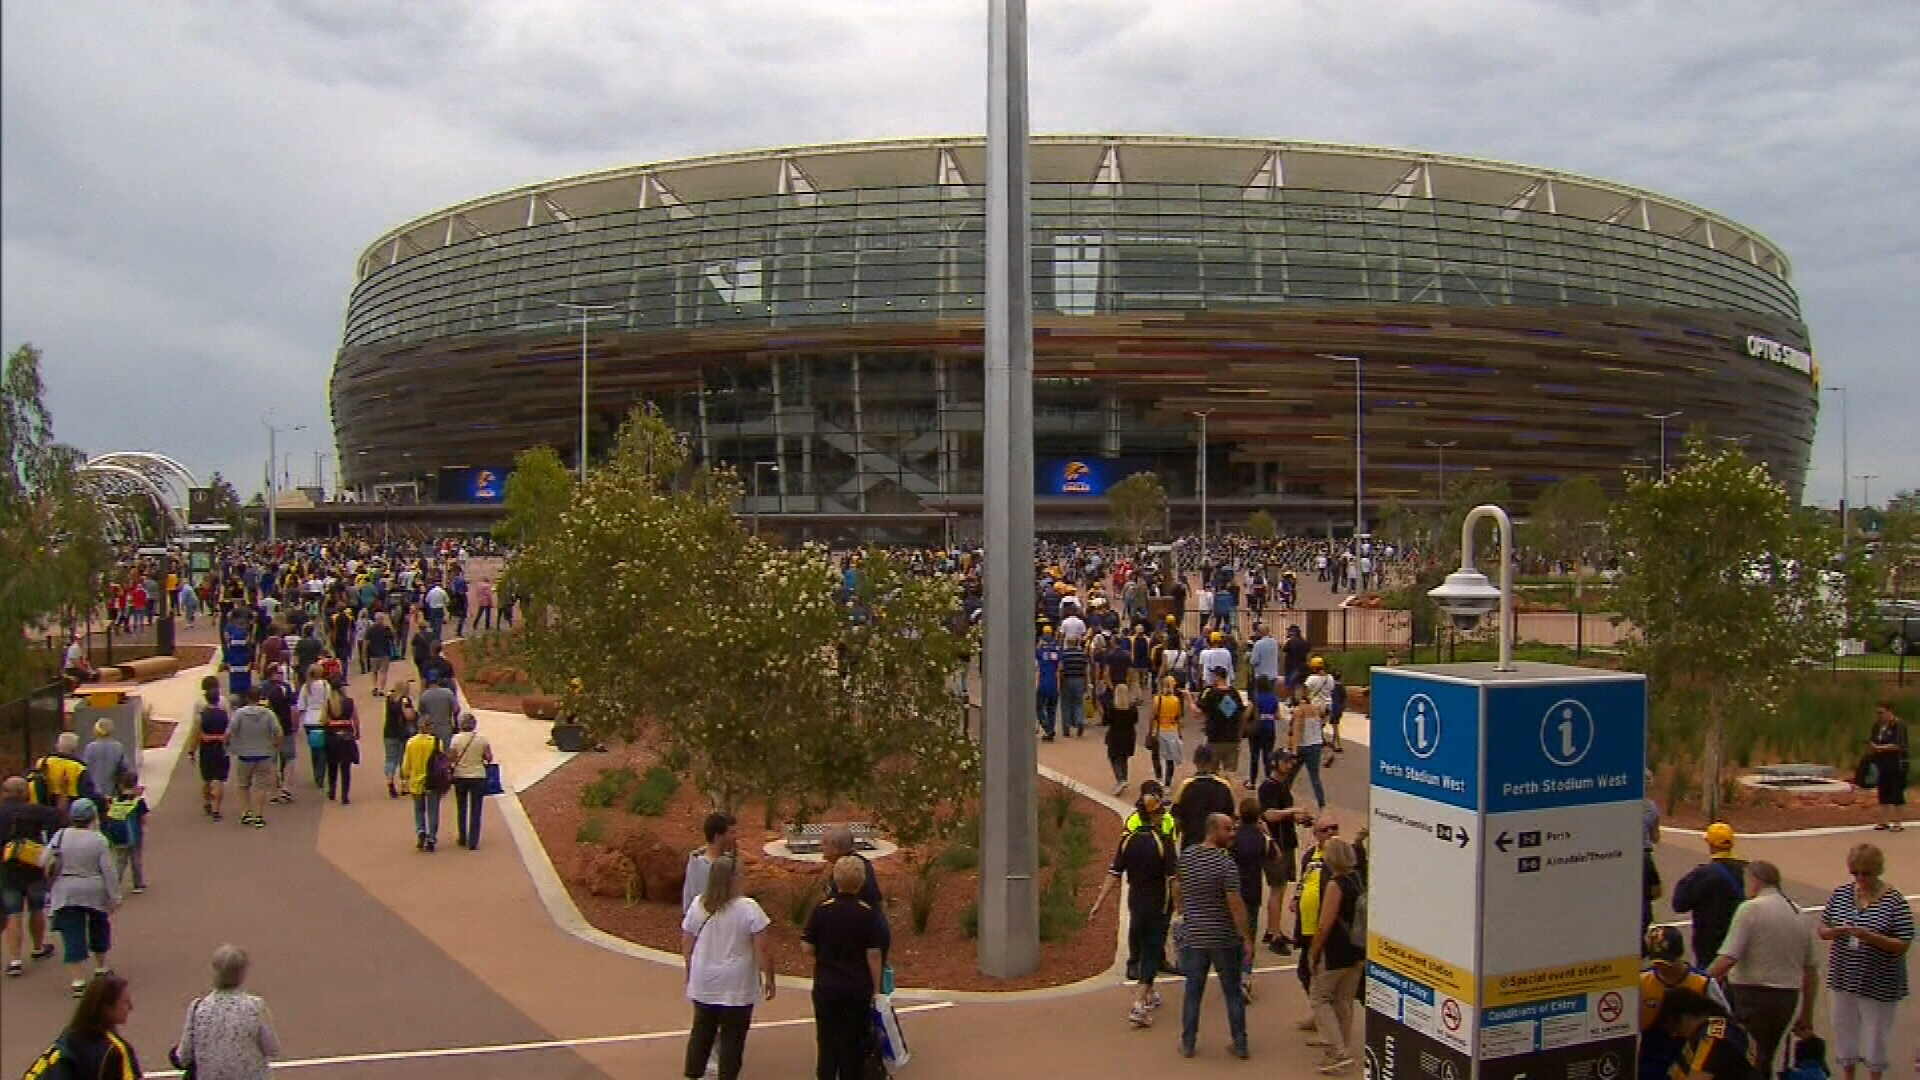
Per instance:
(820,307)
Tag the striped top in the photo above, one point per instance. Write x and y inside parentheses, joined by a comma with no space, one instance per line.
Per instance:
(1073,662)
(1855,967)
(1208,877)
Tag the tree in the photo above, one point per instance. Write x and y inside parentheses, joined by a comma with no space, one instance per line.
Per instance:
(538,489)
(224,502)
(1898,550)
(1261,526)
(673,625)
(1567,521)
(1138,505)
(52,533)
(1729,588)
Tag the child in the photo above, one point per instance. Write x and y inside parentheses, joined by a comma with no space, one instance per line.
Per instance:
(125,828)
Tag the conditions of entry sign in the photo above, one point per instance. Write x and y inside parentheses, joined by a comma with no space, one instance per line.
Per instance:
(1504,906)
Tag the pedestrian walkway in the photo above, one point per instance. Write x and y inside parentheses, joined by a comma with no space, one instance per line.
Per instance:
(379,961)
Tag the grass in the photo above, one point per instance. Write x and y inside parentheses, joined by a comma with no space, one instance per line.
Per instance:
(1355,666)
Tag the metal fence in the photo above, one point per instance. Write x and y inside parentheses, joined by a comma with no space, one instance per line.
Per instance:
(1348,628)
(1884,651)
(29,725)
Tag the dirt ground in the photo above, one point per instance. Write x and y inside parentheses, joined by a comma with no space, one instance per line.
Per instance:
(942,957)
(1752,811)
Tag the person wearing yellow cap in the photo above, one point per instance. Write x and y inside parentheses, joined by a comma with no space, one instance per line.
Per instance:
(1711,891)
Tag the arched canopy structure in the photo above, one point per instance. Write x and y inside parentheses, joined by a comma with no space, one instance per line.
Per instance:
(123,479)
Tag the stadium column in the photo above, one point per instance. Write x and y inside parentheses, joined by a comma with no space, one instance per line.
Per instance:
(1009,912)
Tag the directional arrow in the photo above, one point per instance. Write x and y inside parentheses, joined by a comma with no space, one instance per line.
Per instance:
(1504,840)
(1462,833)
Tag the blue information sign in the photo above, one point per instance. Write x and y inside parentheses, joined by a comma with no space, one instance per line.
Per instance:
(1426,736)
(1565,744)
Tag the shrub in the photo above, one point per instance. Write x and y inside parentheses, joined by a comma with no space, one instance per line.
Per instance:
(960,857)
(1060,914)
(608,788)
(651,795)
(921,892)
(591,830)
(801,897)
(970,921)
(1056,807)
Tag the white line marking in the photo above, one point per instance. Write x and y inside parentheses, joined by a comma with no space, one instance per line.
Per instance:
(515,1048)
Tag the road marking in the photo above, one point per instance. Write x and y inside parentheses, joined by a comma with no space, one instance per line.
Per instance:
(515,1048)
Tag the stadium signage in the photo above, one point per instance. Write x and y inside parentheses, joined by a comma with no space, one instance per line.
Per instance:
(1767,349)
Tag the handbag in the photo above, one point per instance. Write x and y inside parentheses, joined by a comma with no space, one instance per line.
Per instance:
(317,738)
(24,852)
(890,1042)
(50,858)
(189,1068)
(494,786)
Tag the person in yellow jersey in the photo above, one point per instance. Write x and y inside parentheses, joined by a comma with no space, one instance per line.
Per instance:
(1666,971)
(1713,1044)
(1306,900)
(1163,730)
(64,770)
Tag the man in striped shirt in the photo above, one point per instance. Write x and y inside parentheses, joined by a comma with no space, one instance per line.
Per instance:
(1073,684)
(1218,933)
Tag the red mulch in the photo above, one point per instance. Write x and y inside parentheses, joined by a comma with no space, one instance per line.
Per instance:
(157,732)
(943,957)
(476,679)
(1754,811)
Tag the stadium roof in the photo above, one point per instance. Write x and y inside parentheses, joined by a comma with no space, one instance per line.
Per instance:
(1105,163)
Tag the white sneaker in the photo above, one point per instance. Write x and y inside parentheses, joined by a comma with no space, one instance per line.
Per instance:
(1140,1016)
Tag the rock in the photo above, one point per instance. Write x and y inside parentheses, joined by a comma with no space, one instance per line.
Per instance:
(660,869)
(540,706)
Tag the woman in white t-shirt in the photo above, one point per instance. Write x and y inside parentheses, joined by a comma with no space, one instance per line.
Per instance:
(723,940)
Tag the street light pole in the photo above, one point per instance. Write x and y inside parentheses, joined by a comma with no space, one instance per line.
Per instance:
(1202,414)
(1663,418)
(1866,495)
(1442,448)
(586,312)
(757,466)
(1846,526)
(273,474)
(1009,939)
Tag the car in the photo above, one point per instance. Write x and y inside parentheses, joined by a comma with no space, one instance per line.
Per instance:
(1894,626)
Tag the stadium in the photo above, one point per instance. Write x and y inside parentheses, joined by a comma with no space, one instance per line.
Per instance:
(812,316)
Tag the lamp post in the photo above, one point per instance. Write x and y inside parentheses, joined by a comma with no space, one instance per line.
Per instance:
(1466,591)
(1663,418)
(1866,495)
(1845,472)
(587,313)
(1442,448)
(1202,475)
(757,466)
(1009,938)
(273,474)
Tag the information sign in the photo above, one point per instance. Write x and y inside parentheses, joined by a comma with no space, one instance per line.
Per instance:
(1504,903)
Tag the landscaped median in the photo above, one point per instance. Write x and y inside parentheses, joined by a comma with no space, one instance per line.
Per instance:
(619,826)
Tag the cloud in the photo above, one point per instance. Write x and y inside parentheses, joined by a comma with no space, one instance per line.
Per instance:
(184,188)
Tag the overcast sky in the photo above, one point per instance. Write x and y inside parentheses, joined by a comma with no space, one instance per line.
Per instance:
(186,185)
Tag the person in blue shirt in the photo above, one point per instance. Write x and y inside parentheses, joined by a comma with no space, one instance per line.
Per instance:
(1047,682)
(237,653)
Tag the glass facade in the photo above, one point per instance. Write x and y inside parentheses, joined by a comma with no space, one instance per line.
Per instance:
(904,254)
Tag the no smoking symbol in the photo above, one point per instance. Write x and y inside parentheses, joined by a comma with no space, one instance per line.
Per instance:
(1610,1006)
(1450,1014)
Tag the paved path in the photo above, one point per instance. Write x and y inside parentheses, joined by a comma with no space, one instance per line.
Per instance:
(381,962)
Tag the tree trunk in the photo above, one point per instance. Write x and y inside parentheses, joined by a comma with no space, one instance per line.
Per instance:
(1712,757)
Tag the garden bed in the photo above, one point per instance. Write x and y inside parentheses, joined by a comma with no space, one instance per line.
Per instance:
(492,672)
(615,861)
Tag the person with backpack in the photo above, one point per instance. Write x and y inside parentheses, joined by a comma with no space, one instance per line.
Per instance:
(1710,892)
(58,777)
(25,829)
(1201,796)
(342,742)
(92,1046)
(425,775)
(1338,953)
(1146,858)
(1225,718)
(125,828)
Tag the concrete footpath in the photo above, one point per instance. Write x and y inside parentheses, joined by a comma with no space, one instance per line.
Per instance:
(380,961)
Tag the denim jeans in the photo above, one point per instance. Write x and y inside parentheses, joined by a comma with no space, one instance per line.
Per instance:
(1261,746)
(1047,708)
(1073,705)
(1310,761)
(1224,959)
(395,749)
(426,815)
(468,797)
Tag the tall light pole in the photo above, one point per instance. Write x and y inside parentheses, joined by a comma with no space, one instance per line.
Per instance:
(1663,418)
(757,466)
(1359,450)
(586,313)
(1202,475)
(1866,495)
(273,474)
(1442,448)
(1845,472)
(1009,940)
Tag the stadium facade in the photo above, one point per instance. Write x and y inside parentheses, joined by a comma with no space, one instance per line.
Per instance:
(812,316)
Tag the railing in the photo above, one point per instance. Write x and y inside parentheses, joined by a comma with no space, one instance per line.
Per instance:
(29,725)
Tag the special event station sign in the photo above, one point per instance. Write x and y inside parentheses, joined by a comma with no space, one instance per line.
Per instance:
(1504,908)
